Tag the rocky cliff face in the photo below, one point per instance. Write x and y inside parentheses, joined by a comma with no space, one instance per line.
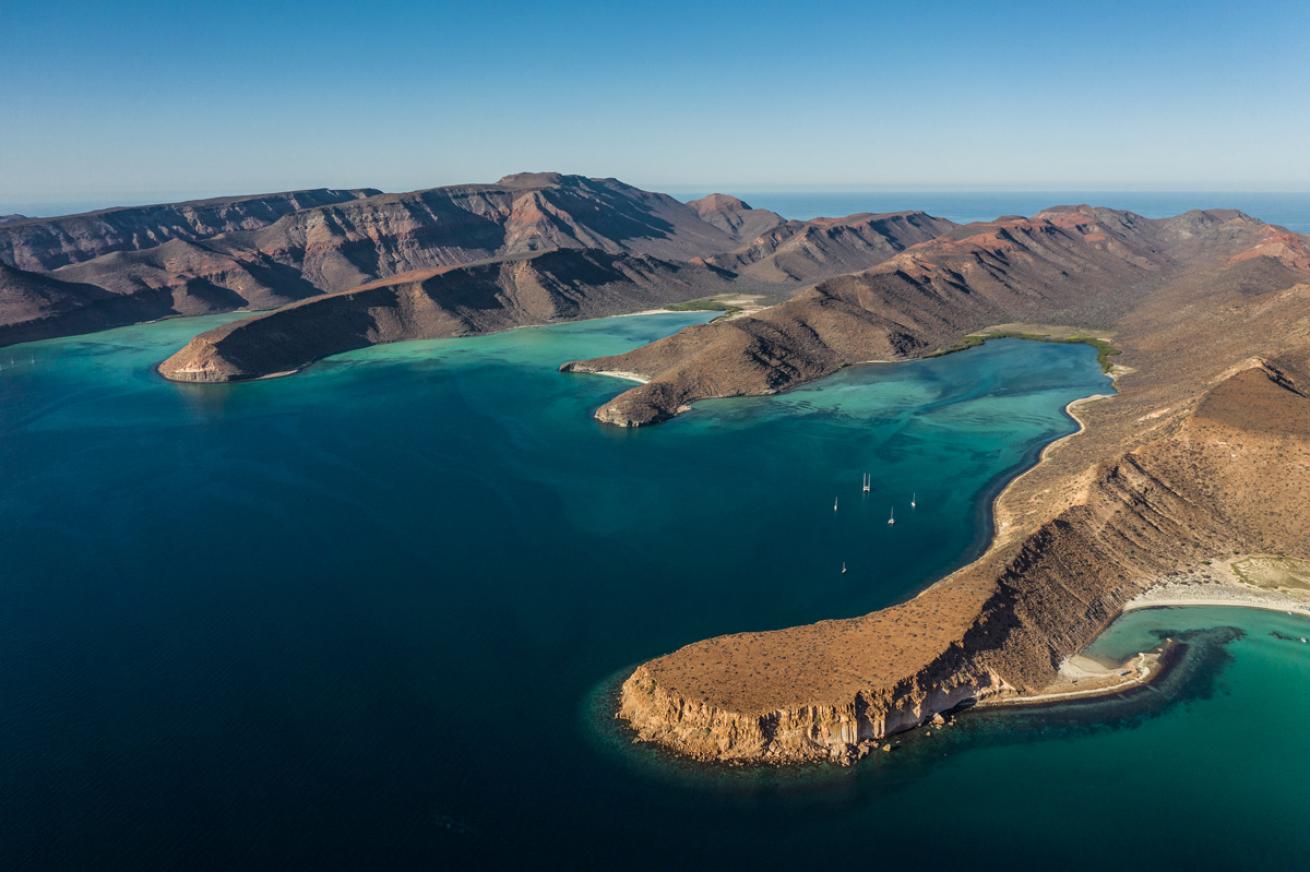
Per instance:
(266,251)
(34,300)
(350,244)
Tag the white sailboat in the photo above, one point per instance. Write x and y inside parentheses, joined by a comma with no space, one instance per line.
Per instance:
(892,520)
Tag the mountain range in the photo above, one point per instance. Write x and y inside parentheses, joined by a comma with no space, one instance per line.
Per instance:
(614,248)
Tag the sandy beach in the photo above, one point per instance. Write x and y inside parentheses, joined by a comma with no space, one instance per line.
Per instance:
(1083,677)
(1247,581)
(626,376)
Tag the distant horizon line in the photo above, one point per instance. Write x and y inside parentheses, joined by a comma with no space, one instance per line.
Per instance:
(45,208)
(976,189)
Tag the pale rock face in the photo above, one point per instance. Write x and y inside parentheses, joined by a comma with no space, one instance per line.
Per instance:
(803,733)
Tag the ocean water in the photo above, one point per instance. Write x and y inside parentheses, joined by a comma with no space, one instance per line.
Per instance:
(372,617)
(1291,210)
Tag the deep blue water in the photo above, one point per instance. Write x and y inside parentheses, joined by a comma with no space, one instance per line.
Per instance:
(371,617)
(359,614)
(1291,210)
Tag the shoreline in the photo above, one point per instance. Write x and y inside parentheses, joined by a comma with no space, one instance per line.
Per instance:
(1221,582)
(1220,597)
(620,374)
(1062,333)
(1001,522)
(1139,671)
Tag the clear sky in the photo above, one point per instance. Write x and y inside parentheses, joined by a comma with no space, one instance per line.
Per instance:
(126,102)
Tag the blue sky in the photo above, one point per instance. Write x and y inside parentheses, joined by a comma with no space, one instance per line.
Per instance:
(128,102)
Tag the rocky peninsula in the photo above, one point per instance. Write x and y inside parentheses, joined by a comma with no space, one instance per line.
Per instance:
(1203,454)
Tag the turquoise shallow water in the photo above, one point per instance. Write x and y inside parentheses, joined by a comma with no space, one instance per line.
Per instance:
(1207,769)
(368,617)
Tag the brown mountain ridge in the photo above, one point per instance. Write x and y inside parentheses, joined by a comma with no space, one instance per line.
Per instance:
(267,251)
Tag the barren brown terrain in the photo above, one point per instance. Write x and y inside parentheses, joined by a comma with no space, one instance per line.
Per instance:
(1203,452)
